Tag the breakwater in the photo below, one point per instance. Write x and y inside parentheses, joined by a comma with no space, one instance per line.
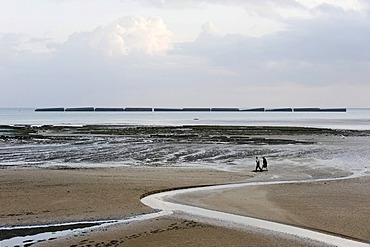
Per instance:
(193,109)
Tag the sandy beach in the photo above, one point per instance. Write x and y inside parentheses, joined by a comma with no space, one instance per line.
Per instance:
(39,196)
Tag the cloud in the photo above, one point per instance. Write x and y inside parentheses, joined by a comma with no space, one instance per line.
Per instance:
(125,36)
(10,43)
(133,61)
(13,44)
(10,40)
(128,62)
(322,50)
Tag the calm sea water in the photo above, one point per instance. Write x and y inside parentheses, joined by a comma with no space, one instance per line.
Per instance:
(352,119)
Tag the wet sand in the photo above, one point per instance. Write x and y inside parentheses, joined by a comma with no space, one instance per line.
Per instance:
(39,196)
(34,196)
(338,207)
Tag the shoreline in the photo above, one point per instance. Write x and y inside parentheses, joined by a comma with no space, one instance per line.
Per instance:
(155,179)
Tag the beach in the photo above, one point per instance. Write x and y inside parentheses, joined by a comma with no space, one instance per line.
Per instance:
(41,196)
(88,174)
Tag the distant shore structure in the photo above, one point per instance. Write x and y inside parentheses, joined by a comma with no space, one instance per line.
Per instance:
(51,109)
(334,110)
(115,109)
(225,109)
(167,109)
(138,109)
(188,109)
(254,109)
(306,109)
(280,110)
(80,109)
(196,109)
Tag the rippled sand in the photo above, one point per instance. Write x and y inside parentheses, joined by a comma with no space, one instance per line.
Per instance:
(219,147)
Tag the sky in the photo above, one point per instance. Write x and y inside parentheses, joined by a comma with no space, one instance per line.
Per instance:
(185,53)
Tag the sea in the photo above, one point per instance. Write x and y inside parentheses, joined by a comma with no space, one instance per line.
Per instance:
(353,118)
(347,153)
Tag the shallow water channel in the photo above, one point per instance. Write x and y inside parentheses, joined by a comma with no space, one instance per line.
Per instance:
(29,235)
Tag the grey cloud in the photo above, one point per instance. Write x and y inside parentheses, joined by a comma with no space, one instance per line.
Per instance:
(330,9)
(327,50)
(311,40)
(11,40)
(39,40)
(81,72)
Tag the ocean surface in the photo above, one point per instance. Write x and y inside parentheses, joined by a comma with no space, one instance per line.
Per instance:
(352,119)
(346,153)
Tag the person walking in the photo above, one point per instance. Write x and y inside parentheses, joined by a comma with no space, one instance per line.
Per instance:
(258,165)
(264,163)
